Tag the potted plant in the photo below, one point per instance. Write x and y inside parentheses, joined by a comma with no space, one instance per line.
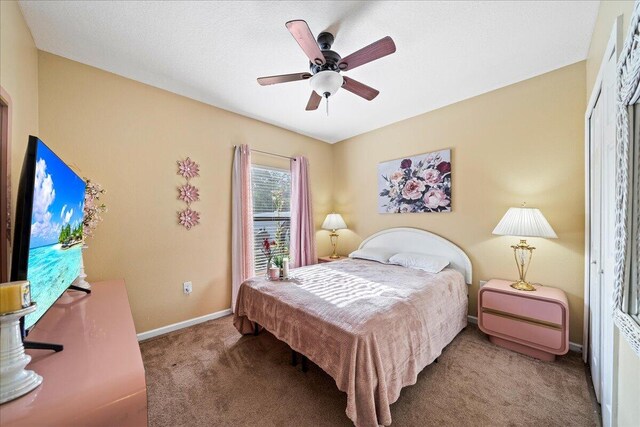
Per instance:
(278,260)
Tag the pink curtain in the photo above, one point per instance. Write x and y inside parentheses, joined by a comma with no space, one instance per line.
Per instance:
(303,233)
(241,221)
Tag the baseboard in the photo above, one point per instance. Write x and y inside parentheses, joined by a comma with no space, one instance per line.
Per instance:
(572,345)
(181,325)
(575,347)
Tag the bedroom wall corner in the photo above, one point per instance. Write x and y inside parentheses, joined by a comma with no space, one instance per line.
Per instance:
(19,78)
(607,13)
(128,136)
(523,142)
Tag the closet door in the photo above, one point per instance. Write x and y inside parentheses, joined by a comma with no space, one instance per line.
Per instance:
(595,282)
(607,238)
(602,163)
(600,180)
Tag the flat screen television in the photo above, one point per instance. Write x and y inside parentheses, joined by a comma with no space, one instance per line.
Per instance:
(47,242)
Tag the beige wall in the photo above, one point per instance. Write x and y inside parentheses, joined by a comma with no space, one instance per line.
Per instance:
(627,363)
(520,143)
(127,136)
(19,78)
(608,11)
(627,371)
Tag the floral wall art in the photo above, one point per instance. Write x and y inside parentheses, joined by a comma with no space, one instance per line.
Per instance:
(420,183)
(187,217)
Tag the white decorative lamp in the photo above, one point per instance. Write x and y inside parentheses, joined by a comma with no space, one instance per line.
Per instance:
(334,222)
(15,303)
(524,222)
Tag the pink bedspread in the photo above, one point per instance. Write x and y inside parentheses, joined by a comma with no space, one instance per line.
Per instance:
(372,327)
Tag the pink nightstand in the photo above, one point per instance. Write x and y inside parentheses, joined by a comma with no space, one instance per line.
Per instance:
(535,323)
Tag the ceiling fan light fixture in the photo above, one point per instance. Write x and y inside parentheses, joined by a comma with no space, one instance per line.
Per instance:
(326,65)
(326,82)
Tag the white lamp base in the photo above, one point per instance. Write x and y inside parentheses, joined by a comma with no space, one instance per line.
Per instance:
(81,282)
(15,381)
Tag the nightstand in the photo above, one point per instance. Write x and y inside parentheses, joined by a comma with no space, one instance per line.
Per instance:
(535,323)
(324,259)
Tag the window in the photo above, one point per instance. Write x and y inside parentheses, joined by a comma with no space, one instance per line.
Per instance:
(271,214)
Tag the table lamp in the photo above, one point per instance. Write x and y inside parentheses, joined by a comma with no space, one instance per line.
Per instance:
(524,222)
(334,222)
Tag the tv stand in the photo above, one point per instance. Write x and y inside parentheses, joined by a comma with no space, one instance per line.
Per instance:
(78,288)
(32,345)
(98,380)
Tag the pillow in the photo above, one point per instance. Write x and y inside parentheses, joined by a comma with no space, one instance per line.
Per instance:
(430,263)
(373,254)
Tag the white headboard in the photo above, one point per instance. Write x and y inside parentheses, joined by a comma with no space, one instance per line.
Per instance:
(406,239)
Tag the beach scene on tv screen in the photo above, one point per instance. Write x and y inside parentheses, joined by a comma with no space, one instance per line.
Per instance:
(56,231)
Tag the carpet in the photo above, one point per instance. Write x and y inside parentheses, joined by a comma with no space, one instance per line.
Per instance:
(209,375)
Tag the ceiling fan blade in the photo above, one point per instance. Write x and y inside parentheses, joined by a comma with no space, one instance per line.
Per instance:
(283,78)
(314,101)
(376,50)
(359,89)
(301,32)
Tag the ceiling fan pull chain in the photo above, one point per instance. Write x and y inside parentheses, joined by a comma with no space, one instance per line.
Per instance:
(326,95)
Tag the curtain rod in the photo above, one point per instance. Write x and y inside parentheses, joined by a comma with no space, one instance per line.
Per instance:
(270,154)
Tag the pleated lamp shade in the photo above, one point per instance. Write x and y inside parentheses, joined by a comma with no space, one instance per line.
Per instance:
(524,222)
(334,221)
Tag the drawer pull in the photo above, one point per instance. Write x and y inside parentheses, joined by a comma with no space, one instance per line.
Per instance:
(522,318)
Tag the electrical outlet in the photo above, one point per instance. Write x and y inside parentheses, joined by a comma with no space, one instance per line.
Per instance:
(187,287)
(483,282)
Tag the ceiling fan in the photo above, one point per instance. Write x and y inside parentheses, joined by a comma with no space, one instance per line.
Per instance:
(325,65)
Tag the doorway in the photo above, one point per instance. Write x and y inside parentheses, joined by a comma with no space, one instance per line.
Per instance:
(5,186)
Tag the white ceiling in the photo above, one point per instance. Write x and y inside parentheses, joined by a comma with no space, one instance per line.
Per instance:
(214,51)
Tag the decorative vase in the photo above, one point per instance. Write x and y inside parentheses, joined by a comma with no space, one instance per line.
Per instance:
(274,273)
(80,281)
(267,271)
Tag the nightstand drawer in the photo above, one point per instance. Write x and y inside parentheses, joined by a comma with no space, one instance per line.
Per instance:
(525,331)
(546,311)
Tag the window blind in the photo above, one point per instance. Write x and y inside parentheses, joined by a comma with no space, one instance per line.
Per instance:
(271,210)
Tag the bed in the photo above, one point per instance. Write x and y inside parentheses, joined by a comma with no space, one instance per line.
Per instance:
(372,327)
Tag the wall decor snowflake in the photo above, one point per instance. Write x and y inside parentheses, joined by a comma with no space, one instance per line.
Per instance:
(188,168)
(188,218)
(188,193)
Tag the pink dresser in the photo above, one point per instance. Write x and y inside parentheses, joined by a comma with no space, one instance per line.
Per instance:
(535,323)
(98,379)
